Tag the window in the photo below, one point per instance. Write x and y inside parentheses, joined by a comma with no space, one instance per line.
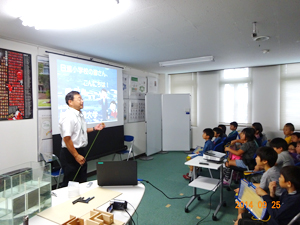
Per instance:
(186,83)
(235,96)
(290,95)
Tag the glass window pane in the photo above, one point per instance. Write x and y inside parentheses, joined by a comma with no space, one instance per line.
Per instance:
(235,95)
(236,73)
(242,103)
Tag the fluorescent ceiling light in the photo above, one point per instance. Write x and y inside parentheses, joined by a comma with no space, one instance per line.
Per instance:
(64,14)
(187,61)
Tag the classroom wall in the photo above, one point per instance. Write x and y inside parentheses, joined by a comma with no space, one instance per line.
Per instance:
(265,101)
(19,138)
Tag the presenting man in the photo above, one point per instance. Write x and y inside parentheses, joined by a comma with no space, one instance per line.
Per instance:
(73,131)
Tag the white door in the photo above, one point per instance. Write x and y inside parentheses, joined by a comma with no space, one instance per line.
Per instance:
(176,122)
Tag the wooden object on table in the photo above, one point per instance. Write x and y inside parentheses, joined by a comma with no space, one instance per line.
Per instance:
(60,213)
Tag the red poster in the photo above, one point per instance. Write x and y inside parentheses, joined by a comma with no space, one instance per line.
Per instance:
(15,85)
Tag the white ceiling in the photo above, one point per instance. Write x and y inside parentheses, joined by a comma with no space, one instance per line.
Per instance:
(151,31)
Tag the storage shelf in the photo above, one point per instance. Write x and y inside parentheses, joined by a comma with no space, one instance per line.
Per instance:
(205,183)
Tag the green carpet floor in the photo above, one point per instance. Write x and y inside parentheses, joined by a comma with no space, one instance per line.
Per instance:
(165,172)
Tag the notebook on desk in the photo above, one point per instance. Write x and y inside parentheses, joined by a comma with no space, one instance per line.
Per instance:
(114,173)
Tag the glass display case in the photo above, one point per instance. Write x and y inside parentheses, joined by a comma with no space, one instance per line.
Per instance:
(24,190)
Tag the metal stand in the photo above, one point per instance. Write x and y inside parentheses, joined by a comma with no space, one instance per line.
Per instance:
(163,152)
(195,195)
(222,203)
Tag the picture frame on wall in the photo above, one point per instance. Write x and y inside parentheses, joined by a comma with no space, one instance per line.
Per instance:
(44,97)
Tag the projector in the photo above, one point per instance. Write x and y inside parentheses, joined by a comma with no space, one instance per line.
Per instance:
(214,156)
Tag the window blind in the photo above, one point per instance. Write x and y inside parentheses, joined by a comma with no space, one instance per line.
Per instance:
(290,95)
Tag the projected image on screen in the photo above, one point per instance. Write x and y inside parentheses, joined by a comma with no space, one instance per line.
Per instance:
(100,87)
(97,86)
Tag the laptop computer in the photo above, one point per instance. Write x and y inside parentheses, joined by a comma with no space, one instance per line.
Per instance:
(113,173)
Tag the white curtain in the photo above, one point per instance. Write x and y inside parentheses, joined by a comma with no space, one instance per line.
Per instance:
(290,95)
(186,83)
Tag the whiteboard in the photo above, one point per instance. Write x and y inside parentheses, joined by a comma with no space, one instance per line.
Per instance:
(153,123)
(176,122)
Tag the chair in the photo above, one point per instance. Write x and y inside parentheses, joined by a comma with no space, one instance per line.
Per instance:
(129,148)
(295,220)
(56,169)
(220,147)
(230,138)
(264,143)
(239,171)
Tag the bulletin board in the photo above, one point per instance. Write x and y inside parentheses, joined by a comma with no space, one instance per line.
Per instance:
(15,85)
(134,92)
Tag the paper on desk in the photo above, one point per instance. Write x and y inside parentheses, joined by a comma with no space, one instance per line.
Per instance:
(61,213)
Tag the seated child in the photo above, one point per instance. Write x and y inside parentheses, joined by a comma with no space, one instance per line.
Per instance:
(292,147)
(218,133)
(233,127)
(260,137)
(223,127)
(295,137)
(296,155)
(266,157)
(288,130)
(207,135)
(247,150)
(284,158)
(288,202)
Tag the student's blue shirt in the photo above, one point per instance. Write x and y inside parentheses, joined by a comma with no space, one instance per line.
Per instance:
(233,133)
(209,145)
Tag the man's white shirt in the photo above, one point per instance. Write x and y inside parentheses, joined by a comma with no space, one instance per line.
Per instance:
(72,123)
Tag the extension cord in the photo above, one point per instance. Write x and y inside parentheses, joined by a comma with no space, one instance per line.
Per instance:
(119,205)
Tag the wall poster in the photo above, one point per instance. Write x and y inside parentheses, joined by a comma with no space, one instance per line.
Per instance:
(136,111)
(44,82)
(126,110)
(15,85)
(152,85)
(138,87)
(45,131)
(125,86)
